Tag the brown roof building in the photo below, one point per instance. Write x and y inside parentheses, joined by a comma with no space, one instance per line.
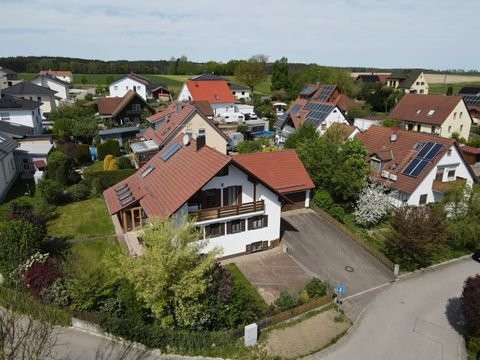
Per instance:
(126,110)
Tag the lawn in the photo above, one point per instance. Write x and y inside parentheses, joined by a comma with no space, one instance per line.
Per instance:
(88,254)
(263,88)
(82,220)
(18,193)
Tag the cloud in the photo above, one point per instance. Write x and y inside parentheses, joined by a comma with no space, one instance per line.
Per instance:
(404,33)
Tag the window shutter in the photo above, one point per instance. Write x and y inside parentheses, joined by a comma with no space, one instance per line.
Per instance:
(239,195)
(207,230)
(229,227)
(265,220)
(265,245)
(225,196)
(250,223)
(242,225)
(222,229)
(203,199)
(218,198)
(248,249)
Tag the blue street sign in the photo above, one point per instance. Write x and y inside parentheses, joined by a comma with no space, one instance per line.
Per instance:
(340,288)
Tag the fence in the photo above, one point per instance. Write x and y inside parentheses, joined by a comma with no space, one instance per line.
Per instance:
(377,254)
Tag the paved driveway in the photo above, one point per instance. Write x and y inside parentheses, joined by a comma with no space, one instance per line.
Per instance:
(324,251)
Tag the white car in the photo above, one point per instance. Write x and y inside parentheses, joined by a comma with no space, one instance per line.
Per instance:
(229,118)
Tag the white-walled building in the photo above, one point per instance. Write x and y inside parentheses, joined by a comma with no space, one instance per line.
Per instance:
(233,206)
(22,112)
(418,168)
(61,88)
(130,81)
(29,91)
(216,92)
(65,76)
(409,81)
(8,171)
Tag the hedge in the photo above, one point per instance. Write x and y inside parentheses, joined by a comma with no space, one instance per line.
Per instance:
(109,147)
(105,179)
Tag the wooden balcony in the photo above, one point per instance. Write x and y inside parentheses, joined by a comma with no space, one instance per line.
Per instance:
(443,187)
(226,211)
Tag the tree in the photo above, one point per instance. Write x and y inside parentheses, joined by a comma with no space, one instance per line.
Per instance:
(74,120)
(471,304)
(372,204)
(280,78)
(416,233)
(246,147)
(25,332)
(171,277)
(253,71)
(450,90)
(306,133)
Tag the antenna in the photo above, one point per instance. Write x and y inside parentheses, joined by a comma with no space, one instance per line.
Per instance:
(186,140)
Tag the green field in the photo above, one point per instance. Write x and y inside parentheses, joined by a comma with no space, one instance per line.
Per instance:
(174,82)
(442,89)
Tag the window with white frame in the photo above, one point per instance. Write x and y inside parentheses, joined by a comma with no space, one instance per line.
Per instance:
(4,116)
(136,107)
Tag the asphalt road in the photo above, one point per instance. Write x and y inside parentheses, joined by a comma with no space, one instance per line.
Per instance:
(414,318)
(326,252)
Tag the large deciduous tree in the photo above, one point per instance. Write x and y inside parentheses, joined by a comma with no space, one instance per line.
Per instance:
(416,233)
(74,120)
(253,71)
(280,78)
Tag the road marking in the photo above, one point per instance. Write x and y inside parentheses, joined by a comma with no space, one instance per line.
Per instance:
(366,291)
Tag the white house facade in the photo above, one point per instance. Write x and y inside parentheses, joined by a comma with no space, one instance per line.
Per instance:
(120,87)
(22,112)
(61,88)
(8,172)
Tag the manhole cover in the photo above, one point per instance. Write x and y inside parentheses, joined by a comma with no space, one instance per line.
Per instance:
(349,268)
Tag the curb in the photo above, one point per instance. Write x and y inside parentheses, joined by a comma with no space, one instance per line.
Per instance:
(434,267)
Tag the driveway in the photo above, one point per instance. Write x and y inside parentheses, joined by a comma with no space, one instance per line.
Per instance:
(414,318)
(324,251)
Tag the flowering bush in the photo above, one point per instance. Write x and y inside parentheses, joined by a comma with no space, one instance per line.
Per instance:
(372,205)
(40,275)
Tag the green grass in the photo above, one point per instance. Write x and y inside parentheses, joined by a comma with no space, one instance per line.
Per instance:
(95,166)
(17,194)
(263,88)
(81,220)
(88,254)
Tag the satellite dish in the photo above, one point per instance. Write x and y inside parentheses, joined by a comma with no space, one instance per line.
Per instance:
(186,139)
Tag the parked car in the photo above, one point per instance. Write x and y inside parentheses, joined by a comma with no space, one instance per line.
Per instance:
(229,118)
(476,256)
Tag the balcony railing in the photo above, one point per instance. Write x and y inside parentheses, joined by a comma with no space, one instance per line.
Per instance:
(226,211)
(444,187)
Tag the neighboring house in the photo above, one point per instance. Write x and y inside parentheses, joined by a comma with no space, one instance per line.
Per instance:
(315,105)
(365,122)
(409,81)
(132,81)
(22,112)
(434,114)
(159,92)
(120,134)
(30,91)
(61,87)
(14,130)
(7,77)
(8,170)
(284,171)
(471,154)
(470,90)
(32,154)
(238,91)
(418,168)
(232,207)
(178,118)
(216,92)
(65,76)
(371,78)
(473,106)
(347,132)
(204,107)
(123,111)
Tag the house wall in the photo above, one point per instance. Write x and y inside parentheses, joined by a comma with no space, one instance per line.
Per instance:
(184,94)
(454,161)
(221,108)
(212,137)
(336,116)
(241,94)
(8,174)
(31,118)
(236,243)
(120,87)
(420,86)
(62,90)
(129,116)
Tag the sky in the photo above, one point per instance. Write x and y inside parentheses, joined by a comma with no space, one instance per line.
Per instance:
(434,34)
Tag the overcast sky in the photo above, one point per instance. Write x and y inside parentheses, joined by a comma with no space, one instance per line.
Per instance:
(438,34)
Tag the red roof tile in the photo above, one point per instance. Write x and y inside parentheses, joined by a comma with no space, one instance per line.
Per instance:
(417,107)
(215,92)
(399,153)
(470,149)
(107,105)
(55,73)
(282,170)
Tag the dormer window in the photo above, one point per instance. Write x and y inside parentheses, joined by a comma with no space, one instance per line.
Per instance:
(375,164)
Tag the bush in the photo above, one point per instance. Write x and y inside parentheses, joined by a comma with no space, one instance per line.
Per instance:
(124,163)
(337,212)
(106,162)
(40,276)
(323,199)
(52,191)
(471,304)
(473,345)
(316,288)
(26,212)
(285,301)
(245,147)
(84,154)
(56,160)
(79,192)
(101,180)
(109,147)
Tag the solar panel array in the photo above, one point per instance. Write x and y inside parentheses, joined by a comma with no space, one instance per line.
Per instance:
(422,159)
(308,90)
(472,100)
(325,93)
(281,120)
(172,149)
(317,113)
(295,109)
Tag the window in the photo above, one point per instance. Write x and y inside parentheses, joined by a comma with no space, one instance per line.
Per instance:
(136,107)
(421,91)
(211,198)
(375,164)
(418,82)
(422,83)
(431,112)
(31,98)
(223,172)
(235,226)
(232,195)
(423,199)
(419,127)
(454,115)
(460,115)
(439,175)
(461,128)
(201,132)
(215,230)
(449,152)
(433,129)
(451,174)
(39,98)
(26,164)
(449,129)
(12,164)
(258,222)
(243,92)
(115,87)
(4,116)
(234,93)
(323,127)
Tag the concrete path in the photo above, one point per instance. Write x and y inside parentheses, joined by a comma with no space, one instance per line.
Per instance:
(415,318)
(328,253)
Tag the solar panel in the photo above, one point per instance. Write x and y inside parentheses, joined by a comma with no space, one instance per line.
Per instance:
(411,166)
(419,168)
(472,100)
(281,120)
(426,148)
(308,90)
(147,171)
(172,149)
(295,109)
(121,187)
(433,151)
(325,93)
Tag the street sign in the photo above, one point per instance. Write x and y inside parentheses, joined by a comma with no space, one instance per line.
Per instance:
(340,288)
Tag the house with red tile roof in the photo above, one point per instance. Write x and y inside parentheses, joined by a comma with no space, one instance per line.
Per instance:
(317,105)
(216,92)
(123,111)
(418,168)
(433,114)
(235,203)
(65,76)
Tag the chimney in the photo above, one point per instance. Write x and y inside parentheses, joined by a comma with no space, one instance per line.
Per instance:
(393,136)
(200,142)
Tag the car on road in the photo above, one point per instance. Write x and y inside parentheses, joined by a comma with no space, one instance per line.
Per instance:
(476,256)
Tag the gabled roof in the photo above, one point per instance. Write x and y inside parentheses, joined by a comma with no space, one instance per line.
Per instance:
(427,109)
(204,107)
(16,131)
(8,102)
(114,105)
(368,78)
(118,130)
(7,71)
(407,77)
(213,91)
(55,73)
(7,145)
(283,170)
(173,118)
(52,78)
(233,86)
(207,77)
(400,152)
(469,90)
(28,88)
(156,86)
(141,79)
